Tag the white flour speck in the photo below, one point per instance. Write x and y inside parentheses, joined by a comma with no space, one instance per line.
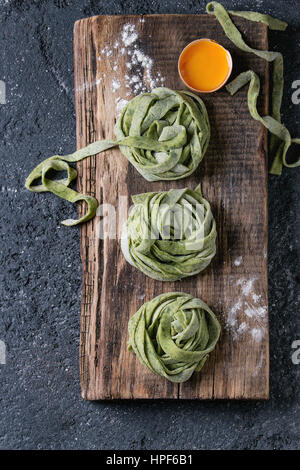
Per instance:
(238,261)
(120,105)
(115,85)
(139,64)
(106,51)
(5,189)
(248,314)
(231,319)
(256,298)
(88,85)
(257,334)
(140,76)
(247,285)
(253,311)
(242,328)
(129,34)
(258,366)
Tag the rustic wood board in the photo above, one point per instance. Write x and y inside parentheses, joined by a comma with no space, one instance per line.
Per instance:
(234,180)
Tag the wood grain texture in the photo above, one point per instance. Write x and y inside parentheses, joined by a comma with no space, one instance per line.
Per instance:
(234,179)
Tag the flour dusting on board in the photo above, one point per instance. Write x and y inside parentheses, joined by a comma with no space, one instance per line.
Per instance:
(238,261)
(247,315)
(120,105)
(257,334)
(129,34)
(115,85)
(139,76)
(246,285)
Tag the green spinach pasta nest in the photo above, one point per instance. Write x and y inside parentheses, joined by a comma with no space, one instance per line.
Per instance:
(170,235)
(170,133)
(173,335)
(164,134)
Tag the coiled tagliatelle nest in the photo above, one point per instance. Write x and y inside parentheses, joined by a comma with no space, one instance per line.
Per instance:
(164,134)
(173,335)
(170,235)
(176,122)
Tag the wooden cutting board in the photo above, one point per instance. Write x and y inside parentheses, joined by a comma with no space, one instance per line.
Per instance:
(234,179)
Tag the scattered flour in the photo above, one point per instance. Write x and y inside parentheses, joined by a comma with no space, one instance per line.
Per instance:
(247,285)
(7,189)
(139,76)
(138,64)
(115,85)
(238,261)
(242,328)
(231,319)
(120,104)
(247,315)
(106,51)
(257,334)
(129,34)
(89,85)
(253,311)
(256,297)
(258,366)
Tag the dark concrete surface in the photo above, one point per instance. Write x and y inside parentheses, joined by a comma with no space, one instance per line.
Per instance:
(40,402)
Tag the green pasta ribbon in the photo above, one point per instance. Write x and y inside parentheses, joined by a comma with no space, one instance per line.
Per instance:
(170,235)
(281,139)
(164,134)
(173,335)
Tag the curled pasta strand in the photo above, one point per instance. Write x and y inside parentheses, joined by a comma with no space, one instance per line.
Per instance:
(280,139)
(164,134)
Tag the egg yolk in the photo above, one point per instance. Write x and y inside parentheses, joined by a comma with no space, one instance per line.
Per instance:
(204,65)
